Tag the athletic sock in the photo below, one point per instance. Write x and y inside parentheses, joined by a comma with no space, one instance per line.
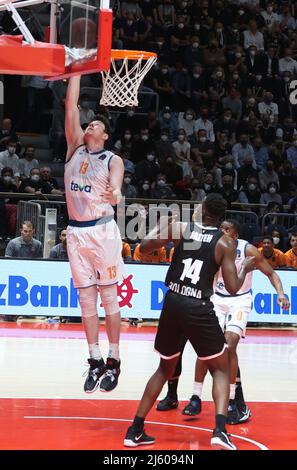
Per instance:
(114,351)
(232,392)
(172,387)
(221,422)
(138,423)
(95,351)
(197,389)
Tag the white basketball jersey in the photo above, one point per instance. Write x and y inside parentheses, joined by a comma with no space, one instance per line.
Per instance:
(219,285)
(86,177)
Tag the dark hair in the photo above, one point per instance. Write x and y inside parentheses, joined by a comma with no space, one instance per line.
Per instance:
(234,223)
(215,205)
(104,120)
(293,234)
(61,230)
(267,237)
(7,169)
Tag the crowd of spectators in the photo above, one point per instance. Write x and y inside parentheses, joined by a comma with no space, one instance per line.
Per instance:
(225,122)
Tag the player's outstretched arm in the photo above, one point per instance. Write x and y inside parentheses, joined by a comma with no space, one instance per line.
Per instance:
(167,230)
(225,254)
(73,130)
(265,268)
(113,192)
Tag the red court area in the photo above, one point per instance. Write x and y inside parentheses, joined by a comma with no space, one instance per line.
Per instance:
(51,424)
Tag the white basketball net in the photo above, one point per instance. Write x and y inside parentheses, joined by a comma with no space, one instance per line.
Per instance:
(121,83)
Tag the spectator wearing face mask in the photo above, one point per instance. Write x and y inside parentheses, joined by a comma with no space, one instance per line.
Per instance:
(291,255)
(164,147)
(292,152)
(142,146)
(268,175)
(214,55)
(27,162)
(267,131)
(261,152)
(278,240)
(268,108)
(226,124)
(9,158)
(8,206)
(168,120)
(195,192)
(287,63)
(161,189)
(187,121)
(193,52)
(162,84)
(271,195)
(86,114)
(253,37)
(203,123)
(181,82)
(228,191)
(128,31)
(148,168)
(144,189)
(253,62)
(34,184)
(202,147)
(128,189)
(198,86)
(125,141)
(6,133)
(287,131)
(251,194)
(270,16)
(242,150)
(171,170)
(250,107)
(233,101)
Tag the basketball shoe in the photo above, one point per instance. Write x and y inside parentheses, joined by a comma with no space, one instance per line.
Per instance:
(194,406)
(96,370)
(233,413)
(135,438)
(221,440)
(244,411)
(168,403)
(112,371)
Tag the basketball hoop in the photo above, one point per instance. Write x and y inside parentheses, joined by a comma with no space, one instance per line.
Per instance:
(122,81)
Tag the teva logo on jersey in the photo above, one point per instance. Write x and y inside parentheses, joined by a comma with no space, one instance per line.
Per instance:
(17,292)
(83,188)
(263,303)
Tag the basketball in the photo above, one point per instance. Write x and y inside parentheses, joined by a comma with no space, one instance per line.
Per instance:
(84,33)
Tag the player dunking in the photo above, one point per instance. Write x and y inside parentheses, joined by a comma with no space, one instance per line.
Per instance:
(188,314)
(93,180)
(232,312)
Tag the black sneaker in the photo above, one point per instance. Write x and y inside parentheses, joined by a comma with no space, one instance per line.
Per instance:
(137,438)
(96,370)
(111,376)
(221,440)
(244,411)
(233,413)
(168,403)
(194,406)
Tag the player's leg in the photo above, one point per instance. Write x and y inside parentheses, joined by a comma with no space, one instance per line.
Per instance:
(88,302)
(232,341)
(194,406)
(170,402)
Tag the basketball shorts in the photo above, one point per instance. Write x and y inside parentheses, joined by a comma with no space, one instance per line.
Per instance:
(233,312)
(95,255)
(185,318)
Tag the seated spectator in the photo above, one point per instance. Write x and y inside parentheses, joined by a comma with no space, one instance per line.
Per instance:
(157,257)
(253,37)
(171,170)
(226,124)
(250,194)
(169,121)
(142,146)
(144,189)
(86,114)
(27,162)
(164,148)
(9,158)
(9,206)
(195,192)
(202,148)
(161,189)
(271,195)
(233,101)
(125,141)
(34,184)
(203,123)
(261,153)
(198,86)
(25,246)
(287,176)
(268,175)
(291,255)
(162,84)
(246,171)
(267,108)
(227,191)
(59,251)
(47,178)
(126,251)
(128,189)
(6,133)
(7,182)
(292,153)
(188,122)
(274,257)
(278,239)
(148,168)
(242,150)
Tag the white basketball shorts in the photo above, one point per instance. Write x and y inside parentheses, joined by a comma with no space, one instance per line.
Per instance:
(233,312)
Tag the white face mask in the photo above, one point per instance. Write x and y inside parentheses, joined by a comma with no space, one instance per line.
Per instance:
(130,113)
(235,76)
(253,53)
(145,137)
(238,55)
(127,180)
(164,71)
(7,179)
(197,27)
(180,25)
(161,183)
(189,117)
(164,137)
(207,187)
(276,240)
(150,157)
(286,79)
(195,45)
(219,74)
(252,186)
(35,178)
(219,30)
(145,186)
(196,75)
(202,139)
(167,115)
(229,166)
(127,136)
(241,12)
(272,190)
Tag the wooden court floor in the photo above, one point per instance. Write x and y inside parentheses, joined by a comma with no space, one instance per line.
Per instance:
(43,406)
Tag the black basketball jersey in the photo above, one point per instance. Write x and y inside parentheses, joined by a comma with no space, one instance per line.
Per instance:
(193,265)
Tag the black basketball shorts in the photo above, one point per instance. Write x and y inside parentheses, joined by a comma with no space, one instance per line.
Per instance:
(185,318)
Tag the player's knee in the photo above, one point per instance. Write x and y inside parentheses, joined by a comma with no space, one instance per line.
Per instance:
(88,301)
(232,341)
(109,299)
